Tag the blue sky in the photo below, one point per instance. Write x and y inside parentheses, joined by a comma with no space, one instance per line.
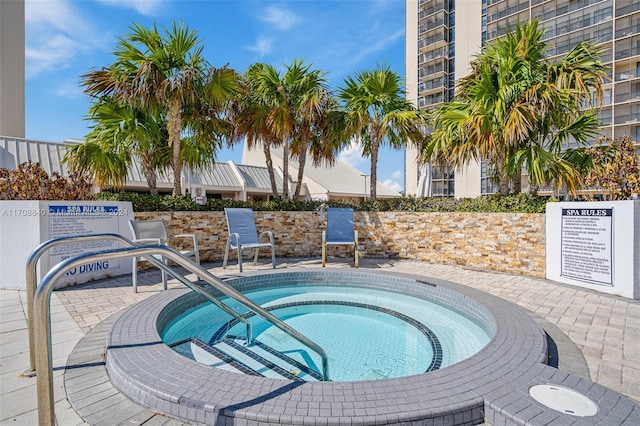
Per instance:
(66,38)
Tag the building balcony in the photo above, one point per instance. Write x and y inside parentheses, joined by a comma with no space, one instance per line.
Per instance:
(627,52)
(627,118)
(429,8)
(433,90)
(627,97)
(626,75)
(627,9)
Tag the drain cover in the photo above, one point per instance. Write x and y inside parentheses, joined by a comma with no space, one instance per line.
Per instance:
(563,399)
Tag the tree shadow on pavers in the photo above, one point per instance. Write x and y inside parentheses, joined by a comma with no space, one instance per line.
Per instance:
(229,411)
(83,365)
(135,345)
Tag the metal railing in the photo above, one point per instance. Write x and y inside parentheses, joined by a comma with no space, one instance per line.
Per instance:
(42,311)
(31,283)
(32,278)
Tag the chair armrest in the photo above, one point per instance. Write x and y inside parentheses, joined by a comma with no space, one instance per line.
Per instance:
(192,236)
(231,237)
(149,240)
(269,233)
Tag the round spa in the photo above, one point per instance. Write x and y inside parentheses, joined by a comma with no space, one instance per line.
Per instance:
(399,349)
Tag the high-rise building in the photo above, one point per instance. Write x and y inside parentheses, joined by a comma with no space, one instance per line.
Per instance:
(12,96)
(443,36)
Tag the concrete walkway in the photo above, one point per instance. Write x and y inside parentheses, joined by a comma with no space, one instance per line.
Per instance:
(605,328)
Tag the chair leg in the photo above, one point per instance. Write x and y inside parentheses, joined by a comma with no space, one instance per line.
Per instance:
(255,257)
(356,255)
(355,237)
(134,274)
(240,258)
(226,253)
(324,254)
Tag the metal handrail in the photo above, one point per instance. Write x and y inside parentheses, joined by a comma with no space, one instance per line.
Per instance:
(31,283)
(32,274)
(42,313)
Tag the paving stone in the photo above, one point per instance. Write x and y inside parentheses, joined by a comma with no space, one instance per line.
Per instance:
(579,313)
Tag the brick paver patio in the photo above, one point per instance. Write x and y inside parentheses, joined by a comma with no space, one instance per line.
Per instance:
(605,328)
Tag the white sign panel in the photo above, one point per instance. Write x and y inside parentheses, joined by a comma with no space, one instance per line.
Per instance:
(587,245)
(70,220)
(24,225)
(594,244)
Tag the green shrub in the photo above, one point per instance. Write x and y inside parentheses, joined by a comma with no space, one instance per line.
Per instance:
(520,203)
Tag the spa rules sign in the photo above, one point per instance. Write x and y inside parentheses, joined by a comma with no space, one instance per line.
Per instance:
(587,245)
(74,219)
(595,245)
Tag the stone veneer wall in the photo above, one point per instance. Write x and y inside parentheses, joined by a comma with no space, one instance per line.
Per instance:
(507,242)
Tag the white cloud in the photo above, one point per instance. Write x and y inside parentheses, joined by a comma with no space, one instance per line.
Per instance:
(382,5)
(55,35)
(397,174)
(143,7)
(352,155)
(377,46)
(396,186)
(69,90)
(282,19)
(48,53)
(59,14)
(263,46)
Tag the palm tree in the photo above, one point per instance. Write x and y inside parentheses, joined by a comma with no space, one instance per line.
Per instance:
(562,94)
(207,121)
(249,116)
(312,102)
(272,93)
(375,112)
(167,74)
(515,109)
(120,133)
(285,110)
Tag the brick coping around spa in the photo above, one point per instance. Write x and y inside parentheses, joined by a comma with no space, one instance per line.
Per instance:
(491,386)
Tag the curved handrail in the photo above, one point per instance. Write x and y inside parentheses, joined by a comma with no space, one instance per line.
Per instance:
(32,274)
(42,313)
(31,284)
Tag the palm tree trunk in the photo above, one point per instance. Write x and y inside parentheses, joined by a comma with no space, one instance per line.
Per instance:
(533,188)
(174,126)
(285,170)
(301,163)
(516,183)
(149,174)
(374,170)
(501,174)
(503,185)
(269,161)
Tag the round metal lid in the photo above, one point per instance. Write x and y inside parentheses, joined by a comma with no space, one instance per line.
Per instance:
(563,399)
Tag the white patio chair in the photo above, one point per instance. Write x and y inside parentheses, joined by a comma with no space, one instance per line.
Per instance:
(243,235)
(155,232)
(340,232)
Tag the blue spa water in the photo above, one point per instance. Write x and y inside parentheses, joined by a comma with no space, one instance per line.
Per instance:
(362,343)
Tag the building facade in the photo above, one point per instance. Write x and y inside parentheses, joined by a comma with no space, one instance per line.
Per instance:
(248,181)
(443,36)
(12,68)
